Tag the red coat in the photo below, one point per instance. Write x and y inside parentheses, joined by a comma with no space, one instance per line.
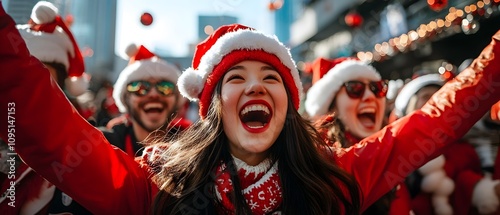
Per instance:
(76,157)
(464,168)
(30,194)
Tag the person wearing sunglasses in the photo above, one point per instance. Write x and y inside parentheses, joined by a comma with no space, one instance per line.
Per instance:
(347,101)
(146,93)
(456,175)
(354,91)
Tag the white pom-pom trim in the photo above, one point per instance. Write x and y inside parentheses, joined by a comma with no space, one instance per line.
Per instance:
(44,12)
(190,84)
(433,165)
(76,86)
(446,187)
(131,50)
(436,182)
(431,181)
(441,205)
(484,196)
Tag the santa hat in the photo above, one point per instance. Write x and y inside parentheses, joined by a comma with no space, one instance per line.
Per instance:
(227,46)
(50,40)
(328,77)
(411,88)
(143,65)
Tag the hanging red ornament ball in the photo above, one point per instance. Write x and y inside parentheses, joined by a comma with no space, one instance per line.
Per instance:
(69,19)
(437,5)
(146,19)
(275,5)
(353,19)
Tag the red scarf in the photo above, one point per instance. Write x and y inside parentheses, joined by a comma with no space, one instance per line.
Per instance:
(261,187)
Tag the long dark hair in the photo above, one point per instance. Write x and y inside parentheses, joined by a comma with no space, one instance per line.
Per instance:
(311,182)
(333,130)
(60,71)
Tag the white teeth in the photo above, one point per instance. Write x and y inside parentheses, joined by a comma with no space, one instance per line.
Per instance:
(153,105)
(255,108)
(367,110)
(255,127)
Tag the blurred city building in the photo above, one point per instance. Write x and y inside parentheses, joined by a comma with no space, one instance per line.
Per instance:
(399,37)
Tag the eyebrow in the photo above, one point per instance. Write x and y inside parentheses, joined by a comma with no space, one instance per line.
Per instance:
(261,69)
(235,68)
(269,68)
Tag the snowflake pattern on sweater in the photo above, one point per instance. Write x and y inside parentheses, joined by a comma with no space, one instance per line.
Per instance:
(261,186)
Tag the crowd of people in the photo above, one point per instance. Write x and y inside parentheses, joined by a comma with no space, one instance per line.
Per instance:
(252,150)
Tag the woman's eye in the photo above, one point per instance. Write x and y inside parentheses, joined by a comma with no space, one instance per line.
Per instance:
(272,77)
(234,77)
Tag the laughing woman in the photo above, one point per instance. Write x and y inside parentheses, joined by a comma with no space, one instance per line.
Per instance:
(348,99)
(251,152)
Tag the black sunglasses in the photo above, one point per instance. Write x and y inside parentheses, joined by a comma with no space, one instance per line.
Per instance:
(141,88)
(356,89)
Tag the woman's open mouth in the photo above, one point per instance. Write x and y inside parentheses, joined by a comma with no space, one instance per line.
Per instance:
(367,117)
(255,117)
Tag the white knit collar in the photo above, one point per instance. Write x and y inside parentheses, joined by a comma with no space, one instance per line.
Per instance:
(257,169)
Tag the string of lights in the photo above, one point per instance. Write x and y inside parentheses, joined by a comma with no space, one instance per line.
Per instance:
(464,20)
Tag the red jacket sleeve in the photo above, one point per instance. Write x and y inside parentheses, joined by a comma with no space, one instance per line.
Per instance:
(53,139)
(402,201)
(384,159)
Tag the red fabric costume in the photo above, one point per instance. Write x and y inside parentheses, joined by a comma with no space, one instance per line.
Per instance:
(464,168)
(76,157)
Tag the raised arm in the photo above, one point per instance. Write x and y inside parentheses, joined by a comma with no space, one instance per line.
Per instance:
(382,160)
(47,132)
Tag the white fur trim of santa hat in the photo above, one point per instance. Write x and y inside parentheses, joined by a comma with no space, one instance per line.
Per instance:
(142,70)
(192,82)
(48,47)
(56,46)
(321,94)
(411,88)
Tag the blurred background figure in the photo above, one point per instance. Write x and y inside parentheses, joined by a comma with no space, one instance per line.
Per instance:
(147,95)
(49,39)
(107,108)
(454,182)
(347,99)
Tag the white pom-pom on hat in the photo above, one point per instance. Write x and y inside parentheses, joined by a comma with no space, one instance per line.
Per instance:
(44,12)
(445,188)
(433,165)
(484,196)
(76,85)
(431,182)
(441,205)
(131,50)
(190,84)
